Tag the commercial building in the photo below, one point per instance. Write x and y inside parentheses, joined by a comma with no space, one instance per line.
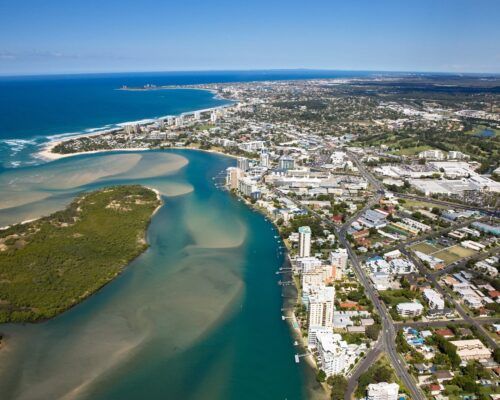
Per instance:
(417,225)
(382,391)
(373,219)
(492,230)
(431,155)
(304,241)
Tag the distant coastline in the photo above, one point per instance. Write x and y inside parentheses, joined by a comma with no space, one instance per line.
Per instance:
(47,154)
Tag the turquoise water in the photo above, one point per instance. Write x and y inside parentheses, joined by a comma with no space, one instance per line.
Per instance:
(197,316)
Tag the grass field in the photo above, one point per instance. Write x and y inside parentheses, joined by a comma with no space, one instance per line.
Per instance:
(448,255)
(426,248)
(454,253)
(414,205)
(411,151)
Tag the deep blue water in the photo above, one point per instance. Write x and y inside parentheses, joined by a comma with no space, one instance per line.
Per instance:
(34,109)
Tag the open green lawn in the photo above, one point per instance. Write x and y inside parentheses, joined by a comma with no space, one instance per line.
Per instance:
(393,297)
(411,151)
(454,253)
(426,248)
(53,263)
(415,205)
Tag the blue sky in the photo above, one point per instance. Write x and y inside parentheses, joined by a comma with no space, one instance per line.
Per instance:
(61,36)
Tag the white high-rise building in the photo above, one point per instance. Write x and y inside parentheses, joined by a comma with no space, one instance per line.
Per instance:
(213,116)
(321,307)
(243,164)
(264,159)
(335,356)
(304,241)
(285,163)
(338,261)
(382,391)
(306,264)
(132,128)
(233,174)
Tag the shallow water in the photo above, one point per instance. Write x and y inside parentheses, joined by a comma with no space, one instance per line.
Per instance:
(197,316)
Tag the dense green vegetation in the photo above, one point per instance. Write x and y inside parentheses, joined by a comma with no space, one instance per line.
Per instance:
(485,150)
(51,264)
(446,348)
(381,371)
(338,384)
(393,297)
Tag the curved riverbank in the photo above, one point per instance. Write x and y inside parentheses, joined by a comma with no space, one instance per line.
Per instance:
(202,298)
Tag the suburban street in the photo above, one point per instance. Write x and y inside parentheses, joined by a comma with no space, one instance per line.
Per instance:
(456,305)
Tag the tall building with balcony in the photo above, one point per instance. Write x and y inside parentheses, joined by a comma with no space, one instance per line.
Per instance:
(304,241)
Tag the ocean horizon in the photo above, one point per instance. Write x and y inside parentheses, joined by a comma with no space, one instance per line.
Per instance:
(35,110)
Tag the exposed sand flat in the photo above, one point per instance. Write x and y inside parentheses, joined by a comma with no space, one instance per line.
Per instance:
(68,176)
(154,164)
(172,189)
(81,172)
(11,198)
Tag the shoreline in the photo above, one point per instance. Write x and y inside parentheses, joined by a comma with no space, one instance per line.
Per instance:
(316,390)
(46,153)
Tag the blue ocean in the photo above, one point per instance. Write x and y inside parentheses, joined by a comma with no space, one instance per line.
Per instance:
(38,109)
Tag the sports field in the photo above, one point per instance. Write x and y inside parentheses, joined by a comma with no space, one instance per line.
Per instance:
(448,255)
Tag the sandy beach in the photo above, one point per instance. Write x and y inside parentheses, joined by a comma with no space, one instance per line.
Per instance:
(47,153)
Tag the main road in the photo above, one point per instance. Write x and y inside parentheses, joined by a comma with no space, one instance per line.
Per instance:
(388,333)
